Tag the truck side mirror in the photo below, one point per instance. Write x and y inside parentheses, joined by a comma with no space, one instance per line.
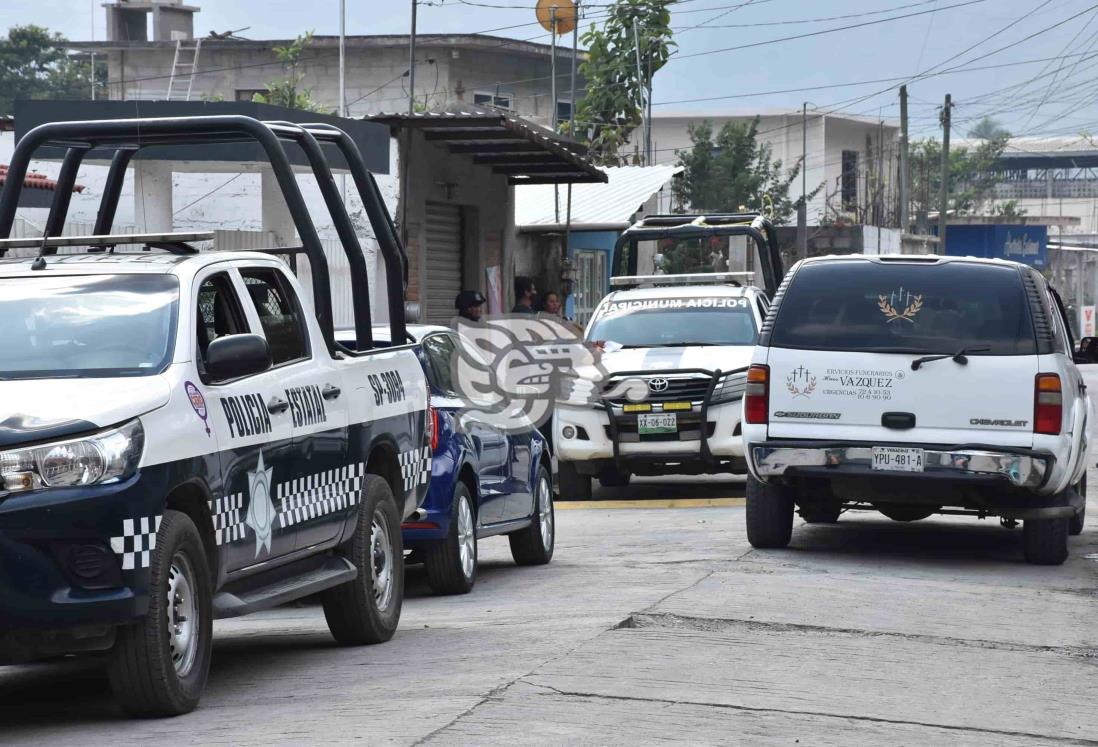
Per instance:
(235,356)
(411,312)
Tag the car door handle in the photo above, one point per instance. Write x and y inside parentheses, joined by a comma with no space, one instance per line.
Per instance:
(330,392)
(277,406)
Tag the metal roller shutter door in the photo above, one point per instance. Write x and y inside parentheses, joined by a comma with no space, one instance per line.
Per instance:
(443,261)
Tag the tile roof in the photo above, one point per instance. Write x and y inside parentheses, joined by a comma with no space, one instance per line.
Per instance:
(35,181)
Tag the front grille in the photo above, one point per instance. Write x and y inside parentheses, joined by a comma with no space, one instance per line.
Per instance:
(679,389)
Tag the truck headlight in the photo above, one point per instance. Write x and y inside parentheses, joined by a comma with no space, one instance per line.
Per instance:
(106,457)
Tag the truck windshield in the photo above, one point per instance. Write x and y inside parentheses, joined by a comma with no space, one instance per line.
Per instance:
(88,326)
(906,307)
(676,323)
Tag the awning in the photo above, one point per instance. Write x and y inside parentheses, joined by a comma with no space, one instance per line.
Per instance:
(595,207)
(522,151)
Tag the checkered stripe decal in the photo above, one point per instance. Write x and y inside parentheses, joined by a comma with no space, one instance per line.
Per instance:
(320,494)
(137,542)
(415,467)
(228,518)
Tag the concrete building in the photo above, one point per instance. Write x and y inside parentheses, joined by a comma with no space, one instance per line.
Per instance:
(1052,177)
(845,155)
(152,53)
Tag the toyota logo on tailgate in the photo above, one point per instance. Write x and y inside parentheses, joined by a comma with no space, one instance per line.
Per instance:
(658,384)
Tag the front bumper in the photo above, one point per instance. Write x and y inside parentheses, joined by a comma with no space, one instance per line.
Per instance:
(707,437)
(1020,468)
(78,556)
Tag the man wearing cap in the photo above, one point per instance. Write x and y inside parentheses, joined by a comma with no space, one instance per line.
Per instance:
(470,305)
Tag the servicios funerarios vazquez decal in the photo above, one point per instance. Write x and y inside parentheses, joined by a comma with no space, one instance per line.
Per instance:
(260,510)
(198,402)
(801,382)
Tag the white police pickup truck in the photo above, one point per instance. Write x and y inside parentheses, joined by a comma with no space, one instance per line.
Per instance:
(182,440)
(913,385)
(687,337)
(690,344)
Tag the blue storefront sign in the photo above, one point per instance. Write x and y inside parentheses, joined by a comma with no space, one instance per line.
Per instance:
(1028,244)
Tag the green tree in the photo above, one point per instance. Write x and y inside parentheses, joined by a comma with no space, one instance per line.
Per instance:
(972,176)
(613,99)
(34,64)
(734,170)
(289,92)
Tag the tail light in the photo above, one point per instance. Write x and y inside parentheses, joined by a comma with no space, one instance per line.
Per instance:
(1048,404)
(756,400)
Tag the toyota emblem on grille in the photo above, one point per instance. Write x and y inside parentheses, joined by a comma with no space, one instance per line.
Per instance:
(658,385)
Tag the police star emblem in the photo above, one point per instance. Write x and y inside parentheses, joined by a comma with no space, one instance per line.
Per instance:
(260,509)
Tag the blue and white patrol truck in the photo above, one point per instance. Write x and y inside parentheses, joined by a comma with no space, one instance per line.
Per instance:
(181,438)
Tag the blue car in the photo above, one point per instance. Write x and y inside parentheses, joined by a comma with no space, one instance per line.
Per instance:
(484,481)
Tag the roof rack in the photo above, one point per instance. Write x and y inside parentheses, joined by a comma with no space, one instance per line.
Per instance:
(694,278)
(172,242)
(754,226)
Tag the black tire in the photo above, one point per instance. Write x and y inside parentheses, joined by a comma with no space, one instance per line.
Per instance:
(1045,541)
(769,514)
(449,569)
(821,512)
(571,485)
(1076,523)
(612,477)
(367,609)
(906,511)
(144,674)
(534,545)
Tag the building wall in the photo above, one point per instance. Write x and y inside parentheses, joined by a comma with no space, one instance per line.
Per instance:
(827,138)
(446,76)
(487,202)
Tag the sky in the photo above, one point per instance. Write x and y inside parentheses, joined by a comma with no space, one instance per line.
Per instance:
(1030,64)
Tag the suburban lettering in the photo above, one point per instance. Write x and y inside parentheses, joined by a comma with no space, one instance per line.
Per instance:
(246,415)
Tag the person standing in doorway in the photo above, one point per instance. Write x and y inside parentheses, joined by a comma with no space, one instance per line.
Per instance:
(525,295)
(470,305)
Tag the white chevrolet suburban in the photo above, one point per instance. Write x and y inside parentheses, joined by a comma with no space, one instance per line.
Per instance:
(913,385)
(690,343)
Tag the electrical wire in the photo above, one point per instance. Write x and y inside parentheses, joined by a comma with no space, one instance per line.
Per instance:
(827,31)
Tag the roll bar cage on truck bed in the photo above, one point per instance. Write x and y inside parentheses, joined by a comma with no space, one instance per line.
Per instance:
(249,466)
(128,136)
(655,227)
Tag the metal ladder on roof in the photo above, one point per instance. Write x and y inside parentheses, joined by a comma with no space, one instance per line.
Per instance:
(184,65)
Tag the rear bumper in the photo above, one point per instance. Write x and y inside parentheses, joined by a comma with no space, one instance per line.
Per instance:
(1020,468)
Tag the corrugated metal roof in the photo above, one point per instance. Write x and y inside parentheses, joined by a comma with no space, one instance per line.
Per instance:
(606,206)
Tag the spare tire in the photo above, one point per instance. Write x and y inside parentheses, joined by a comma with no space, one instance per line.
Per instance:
(906,511)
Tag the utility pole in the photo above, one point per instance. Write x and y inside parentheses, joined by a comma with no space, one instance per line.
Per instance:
(905,176)
(93,52)
(802,213)
(553,67)
(943,201)
(412,64)
(572,88)
(640,76)
(342,58)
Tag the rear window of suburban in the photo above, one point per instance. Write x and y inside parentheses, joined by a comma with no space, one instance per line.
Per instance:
(906,307)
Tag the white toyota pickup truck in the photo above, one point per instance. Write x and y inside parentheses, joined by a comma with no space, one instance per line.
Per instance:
(913,385)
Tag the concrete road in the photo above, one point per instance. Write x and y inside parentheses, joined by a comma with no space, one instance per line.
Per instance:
(660,624)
